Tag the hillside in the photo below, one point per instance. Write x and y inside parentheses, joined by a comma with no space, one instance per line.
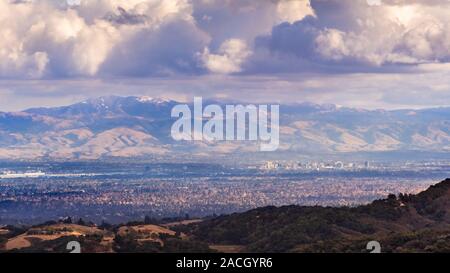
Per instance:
(140,127)
(404,223)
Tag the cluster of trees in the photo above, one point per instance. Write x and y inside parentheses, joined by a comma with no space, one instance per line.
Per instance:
(290,228)
(281,229)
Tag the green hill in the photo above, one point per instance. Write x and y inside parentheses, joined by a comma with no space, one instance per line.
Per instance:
(403,223)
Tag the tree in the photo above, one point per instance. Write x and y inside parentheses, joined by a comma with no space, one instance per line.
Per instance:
(105,225)
(81,222)
(149,220)
(392,196)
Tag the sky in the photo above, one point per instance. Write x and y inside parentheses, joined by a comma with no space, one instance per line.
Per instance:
(370,54)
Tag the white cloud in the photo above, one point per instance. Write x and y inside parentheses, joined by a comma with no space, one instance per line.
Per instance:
(274,52)
(54,38)
(293,10)
(231,55)
(48,39)
(246,19)
(359,35)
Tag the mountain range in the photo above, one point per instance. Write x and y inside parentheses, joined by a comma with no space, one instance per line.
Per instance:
(130,127)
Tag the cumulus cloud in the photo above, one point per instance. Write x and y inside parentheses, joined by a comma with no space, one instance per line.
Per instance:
(357,35)
(291,11)
(245,19)
(231,55)
(142,38)
(65,39)
(57,39)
